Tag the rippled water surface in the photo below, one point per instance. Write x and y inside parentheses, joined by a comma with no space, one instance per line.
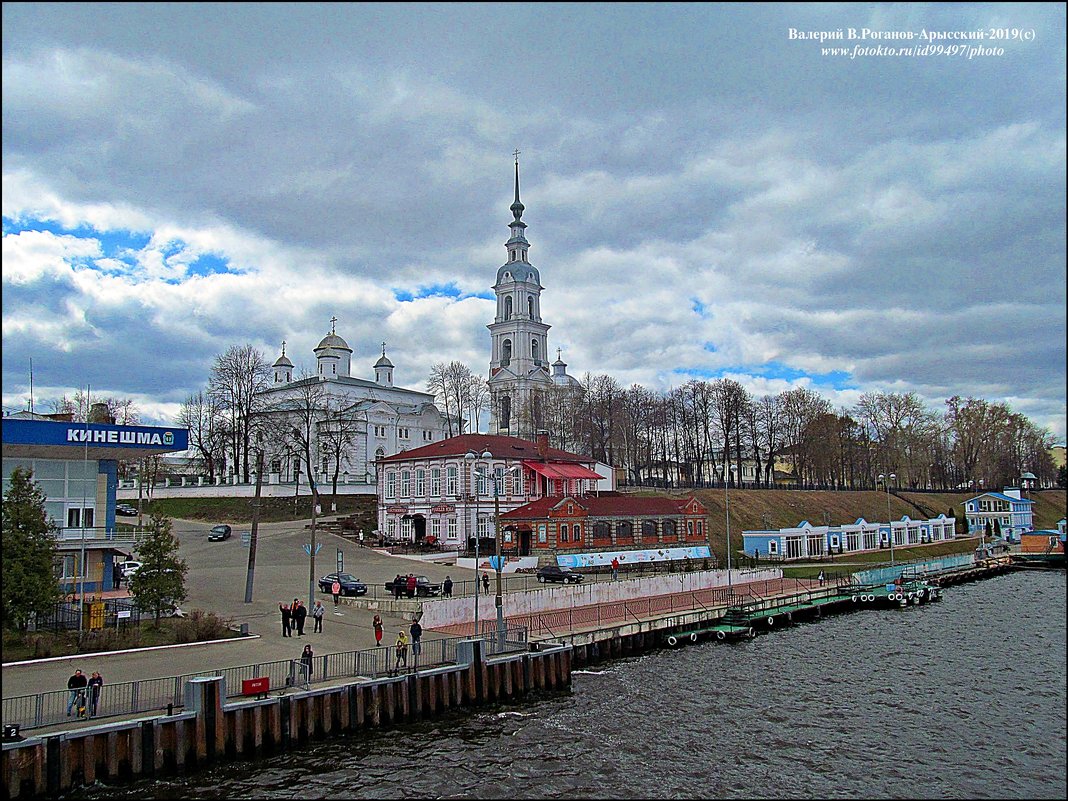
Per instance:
(960,699)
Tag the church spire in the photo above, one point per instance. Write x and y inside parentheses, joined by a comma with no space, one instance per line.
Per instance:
(517,207)
(517,245)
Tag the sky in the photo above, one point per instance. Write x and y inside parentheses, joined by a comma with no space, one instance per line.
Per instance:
(708,194)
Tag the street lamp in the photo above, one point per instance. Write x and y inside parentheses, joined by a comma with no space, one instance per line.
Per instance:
(889,523)
(499,600)
(727,497)
(470,457)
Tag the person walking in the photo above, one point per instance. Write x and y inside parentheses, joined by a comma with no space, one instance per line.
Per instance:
(485,582)
(402,651)
(300,614)
(411,585)
(615,568)
(96,682)
(287,620)
(446,588)
(377,625)
(335,590)
(417,634)
(76,684)
(317,616)
(306,657)
(821,578)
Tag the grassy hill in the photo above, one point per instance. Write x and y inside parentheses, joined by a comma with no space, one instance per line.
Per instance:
(750,509)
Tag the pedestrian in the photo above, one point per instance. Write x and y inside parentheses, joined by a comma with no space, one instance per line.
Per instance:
(335,590)
(411,585)
(402,651)
(96,681)
(306,663)
(317,616)
(76,684)
(300,614)
(821,578)
(485,582)
(446,588)
(417,634)
(377,624)
(287,618)
(398,586)
(615,568)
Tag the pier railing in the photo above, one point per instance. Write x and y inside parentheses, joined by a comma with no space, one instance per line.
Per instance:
(125,699)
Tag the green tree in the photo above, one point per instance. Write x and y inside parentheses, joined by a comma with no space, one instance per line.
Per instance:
(29,552)
(160,581)
(989,530)
(997,528)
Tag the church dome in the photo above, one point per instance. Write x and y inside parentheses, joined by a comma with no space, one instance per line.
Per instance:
(518,271)
(333,341)
(383,361)
(283,361)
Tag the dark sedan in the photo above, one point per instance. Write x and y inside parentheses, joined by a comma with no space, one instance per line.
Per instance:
(563,575)
(220,533)
(350,585)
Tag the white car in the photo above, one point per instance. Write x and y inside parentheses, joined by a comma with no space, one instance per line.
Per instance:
(129,568)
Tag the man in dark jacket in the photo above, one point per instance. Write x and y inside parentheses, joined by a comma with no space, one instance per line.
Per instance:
(75,684)
(300,614)
(287,616)
(417,634)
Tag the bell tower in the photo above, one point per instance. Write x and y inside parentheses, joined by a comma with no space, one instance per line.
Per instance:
(519,365)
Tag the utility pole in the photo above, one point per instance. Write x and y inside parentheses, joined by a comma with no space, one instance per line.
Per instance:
(255,526)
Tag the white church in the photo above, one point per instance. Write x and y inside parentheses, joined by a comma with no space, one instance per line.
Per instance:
(362,419)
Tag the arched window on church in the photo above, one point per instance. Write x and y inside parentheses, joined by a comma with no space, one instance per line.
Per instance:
(508,308)
(506,352)
(530,307)
(534,349)
(506,413)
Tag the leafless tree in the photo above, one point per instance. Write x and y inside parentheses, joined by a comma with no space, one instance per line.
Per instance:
(238,376)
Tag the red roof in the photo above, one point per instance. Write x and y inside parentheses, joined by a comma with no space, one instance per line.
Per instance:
(632,506)
(500,447)
(562,470)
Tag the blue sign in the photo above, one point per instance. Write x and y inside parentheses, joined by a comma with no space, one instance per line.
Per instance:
(93,435)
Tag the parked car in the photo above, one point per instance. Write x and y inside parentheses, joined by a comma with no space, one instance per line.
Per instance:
(350,585)
(129,567)
(423,586)
(126,510)
(564,575)
(220,533)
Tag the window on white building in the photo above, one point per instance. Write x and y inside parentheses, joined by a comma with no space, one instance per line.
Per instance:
(451,528)
(435,482)
(391,485)
(406,484)
(435,527)
(391,528)
(480,487)
(420,483)
(451,489)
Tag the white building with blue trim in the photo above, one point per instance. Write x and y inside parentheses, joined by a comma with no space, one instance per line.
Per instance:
(1012,513)
(806,541)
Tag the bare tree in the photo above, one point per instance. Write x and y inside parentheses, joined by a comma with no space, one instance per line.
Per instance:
(237,379)
(202,416)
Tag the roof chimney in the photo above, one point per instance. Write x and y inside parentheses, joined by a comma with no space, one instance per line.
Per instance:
(541,440)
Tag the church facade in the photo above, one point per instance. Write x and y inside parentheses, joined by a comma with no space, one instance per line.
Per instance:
(354,422)
(519,378)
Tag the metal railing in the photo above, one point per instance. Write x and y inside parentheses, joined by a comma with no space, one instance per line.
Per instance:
(145,696)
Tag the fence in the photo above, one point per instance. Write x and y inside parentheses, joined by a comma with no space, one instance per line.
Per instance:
(916,567)
(166,694)
(68,615)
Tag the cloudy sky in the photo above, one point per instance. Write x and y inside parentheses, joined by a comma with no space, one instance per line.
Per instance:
(706,196)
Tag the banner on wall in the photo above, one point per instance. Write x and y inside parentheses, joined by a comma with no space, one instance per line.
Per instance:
(577,560)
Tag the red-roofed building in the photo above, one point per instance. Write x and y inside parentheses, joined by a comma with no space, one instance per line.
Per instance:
(609,522)
(438,491)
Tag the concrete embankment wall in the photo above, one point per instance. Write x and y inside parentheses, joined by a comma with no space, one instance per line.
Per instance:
(210,731)
(442,612)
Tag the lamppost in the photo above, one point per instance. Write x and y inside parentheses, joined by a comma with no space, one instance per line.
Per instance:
(499,600)
(470,457)
(727,498)
(886,483)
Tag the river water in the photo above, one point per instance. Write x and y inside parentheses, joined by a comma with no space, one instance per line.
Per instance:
(964,698)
